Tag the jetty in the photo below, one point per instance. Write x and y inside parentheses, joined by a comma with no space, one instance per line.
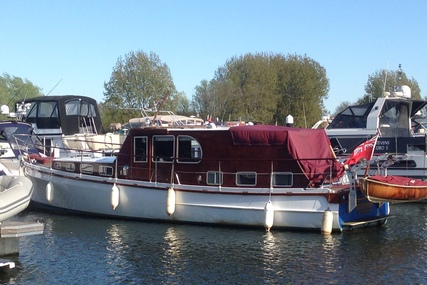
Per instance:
(10,233)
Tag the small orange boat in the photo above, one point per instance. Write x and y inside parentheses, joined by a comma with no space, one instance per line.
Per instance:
(394,189)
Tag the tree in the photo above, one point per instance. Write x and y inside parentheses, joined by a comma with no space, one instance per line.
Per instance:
(138,80)
(384,80)
(254,80)
(13,89)
(303,86)
(265,88)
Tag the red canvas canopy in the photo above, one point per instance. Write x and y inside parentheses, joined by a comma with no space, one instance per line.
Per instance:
(310,147)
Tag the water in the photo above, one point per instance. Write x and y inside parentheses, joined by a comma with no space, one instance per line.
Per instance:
(82,250)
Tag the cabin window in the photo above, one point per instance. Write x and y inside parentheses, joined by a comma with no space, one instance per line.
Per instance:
(70,166)
(44,114)
(105,170)
(163,148)
(189,150)
(282,179)
(214,178)
(246,178)
(140,149)
(86,168)
(57,165)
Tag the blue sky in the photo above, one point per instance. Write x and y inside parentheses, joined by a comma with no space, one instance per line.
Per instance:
(79,42)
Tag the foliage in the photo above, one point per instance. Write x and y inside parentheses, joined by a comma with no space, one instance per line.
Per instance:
(14,89)
(383,81)
(139,80)
(265,88)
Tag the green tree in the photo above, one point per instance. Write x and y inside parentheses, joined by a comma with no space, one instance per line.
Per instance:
(14,89)
(265,88)
(139,80)
(254,80)
(303,87)
(384,80)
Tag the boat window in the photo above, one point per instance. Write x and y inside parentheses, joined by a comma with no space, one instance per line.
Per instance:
(394,119)
(72,107)
(189,150)
(246,178)
(57,165)
(70,166)
(163,148)
(44,114)
(86,168)
(140,149)
(405,164)
(105,170)
(282,179)
(352,117)
(214,178)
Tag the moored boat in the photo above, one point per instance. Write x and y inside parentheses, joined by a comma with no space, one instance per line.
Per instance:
(395,189)
(15,193)
(259,176)
(400,121)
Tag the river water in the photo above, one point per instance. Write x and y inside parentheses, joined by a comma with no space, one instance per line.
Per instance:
(85,250)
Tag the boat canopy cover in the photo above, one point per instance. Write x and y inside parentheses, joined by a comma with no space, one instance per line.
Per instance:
(311,148)
(72,113)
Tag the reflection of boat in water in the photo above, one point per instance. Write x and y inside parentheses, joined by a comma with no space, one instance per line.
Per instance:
(395,189)
(397,118)
(256,176)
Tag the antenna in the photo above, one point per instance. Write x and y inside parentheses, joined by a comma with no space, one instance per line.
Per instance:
(53,87)
(385,79)
(399,73)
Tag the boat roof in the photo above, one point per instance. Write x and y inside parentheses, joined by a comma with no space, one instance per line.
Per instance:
(67,112)
(59,98)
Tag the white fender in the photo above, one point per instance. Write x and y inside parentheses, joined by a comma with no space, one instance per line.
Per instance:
(170,201)
(327,222)
(49,192)
(115,196)
(269,216)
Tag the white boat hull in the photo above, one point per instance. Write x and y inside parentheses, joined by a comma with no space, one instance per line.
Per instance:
(193,204)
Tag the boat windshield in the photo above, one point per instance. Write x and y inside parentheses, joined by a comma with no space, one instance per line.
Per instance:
(18,136)
(352,117)
(9,132)
(394,119)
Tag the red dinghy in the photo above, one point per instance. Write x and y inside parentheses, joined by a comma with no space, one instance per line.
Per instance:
(395,189)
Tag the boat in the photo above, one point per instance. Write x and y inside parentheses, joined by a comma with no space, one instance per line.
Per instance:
(393,189)
(15,188)
(66,123)
(397,119)
(258,176)
(71,123)
(15,193)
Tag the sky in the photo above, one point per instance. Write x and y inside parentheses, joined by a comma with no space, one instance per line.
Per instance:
(71,47)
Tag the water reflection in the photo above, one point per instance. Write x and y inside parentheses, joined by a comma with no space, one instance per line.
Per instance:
(171,257)
(329,254)
(270,252)
(75,249)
